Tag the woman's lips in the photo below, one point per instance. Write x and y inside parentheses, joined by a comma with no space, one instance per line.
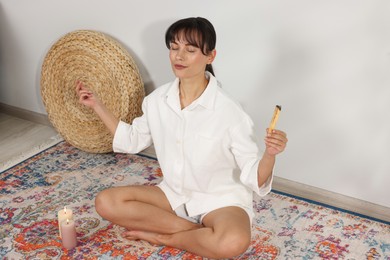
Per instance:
(179,67)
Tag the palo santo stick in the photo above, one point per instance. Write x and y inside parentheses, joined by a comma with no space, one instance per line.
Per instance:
(274,118)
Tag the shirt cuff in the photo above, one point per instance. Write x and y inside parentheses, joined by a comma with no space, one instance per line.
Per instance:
(119,144)
(266,187)
(249,177)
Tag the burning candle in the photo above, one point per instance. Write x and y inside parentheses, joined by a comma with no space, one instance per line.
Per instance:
(69,236)
(64,214)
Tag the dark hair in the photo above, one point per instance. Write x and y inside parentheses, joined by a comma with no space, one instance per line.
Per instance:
(197,31)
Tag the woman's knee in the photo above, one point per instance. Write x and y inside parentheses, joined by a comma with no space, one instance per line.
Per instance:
(231,230)
(104,203)
(233,244)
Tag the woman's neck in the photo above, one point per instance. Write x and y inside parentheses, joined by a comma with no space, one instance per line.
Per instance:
(190,90)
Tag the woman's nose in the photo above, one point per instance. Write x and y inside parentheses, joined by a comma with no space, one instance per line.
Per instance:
(180,55)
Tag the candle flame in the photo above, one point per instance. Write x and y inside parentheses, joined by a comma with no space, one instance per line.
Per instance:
(65,210)
(67,221)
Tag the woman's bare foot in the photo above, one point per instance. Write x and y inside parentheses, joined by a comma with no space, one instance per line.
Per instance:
(150,237)
(153,237)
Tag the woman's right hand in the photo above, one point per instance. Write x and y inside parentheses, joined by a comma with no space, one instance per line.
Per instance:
(86,97)
(89,99)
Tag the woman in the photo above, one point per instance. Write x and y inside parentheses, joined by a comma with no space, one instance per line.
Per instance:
(205,145)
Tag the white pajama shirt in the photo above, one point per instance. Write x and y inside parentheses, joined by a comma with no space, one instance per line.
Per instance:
(207,151)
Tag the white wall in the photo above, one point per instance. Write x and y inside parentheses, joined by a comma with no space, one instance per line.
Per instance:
(326,62)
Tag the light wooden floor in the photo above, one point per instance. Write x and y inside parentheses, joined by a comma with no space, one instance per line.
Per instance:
(18,135)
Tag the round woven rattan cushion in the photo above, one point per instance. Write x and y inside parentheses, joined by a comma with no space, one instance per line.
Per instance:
(107,69)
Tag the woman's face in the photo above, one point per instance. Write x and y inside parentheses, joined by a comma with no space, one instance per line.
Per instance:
(188,61)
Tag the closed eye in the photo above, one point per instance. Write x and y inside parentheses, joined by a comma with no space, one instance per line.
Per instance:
(174,46)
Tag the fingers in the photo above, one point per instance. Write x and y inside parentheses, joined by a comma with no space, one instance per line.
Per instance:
(80,87)
(276,139)
(276,132)
(82,91)
(85,95)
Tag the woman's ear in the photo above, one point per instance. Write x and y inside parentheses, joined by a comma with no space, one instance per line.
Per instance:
(211,56)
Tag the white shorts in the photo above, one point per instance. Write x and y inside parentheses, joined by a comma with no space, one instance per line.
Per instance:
(181,211)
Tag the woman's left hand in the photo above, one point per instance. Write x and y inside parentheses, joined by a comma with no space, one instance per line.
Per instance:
(275,142)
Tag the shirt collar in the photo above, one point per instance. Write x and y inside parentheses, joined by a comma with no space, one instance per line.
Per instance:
(172,96)
(206,100)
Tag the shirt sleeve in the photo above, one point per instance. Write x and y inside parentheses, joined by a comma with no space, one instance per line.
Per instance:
(135,137)
(245,148)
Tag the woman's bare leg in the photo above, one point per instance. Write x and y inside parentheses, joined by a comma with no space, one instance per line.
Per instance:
(226,233)
(143,208)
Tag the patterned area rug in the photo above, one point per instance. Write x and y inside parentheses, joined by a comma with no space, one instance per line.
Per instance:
(32,192)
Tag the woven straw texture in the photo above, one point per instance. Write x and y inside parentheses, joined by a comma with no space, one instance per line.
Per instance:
(107,69)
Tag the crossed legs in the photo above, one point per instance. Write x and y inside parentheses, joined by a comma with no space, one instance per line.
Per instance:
(146,213)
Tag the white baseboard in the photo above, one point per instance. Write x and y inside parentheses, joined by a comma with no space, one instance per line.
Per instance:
(332,199)
(25,114)
(280,184)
